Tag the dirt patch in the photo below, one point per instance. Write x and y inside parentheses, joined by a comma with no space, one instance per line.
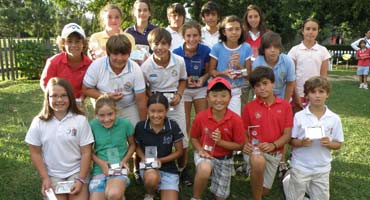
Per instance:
(336,77)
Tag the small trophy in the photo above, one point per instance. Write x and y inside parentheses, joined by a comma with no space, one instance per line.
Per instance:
(64,187)
(96,48)
(253,137)
(50,194)
(208,143)
(314,132)
(150,161)
(195,65)
(115,168)
(139,52)
(169,96)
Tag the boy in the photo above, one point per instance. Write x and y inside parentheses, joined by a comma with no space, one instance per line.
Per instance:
(215,134)
(316,131)
(210,17)
(268,121)
(165,73)
(176,17)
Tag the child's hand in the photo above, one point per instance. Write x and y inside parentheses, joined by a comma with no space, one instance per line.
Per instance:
(306,142)
(266,147)
(104,166)
(116,95)
(46,184)
(76,188)
(159,163)
(175,100)
(190,82)
(125,165)
(248,148)
(204,154)
(199,83)
(325,141)
(216,136)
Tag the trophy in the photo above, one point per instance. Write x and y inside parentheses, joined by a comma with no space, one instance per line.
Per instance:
(169,96)
(50,194)
(314,132)
(115,168)
(139,52)
(96,48)
(64,187)
(253,137)
(195,66)
(150,161)
(208,143)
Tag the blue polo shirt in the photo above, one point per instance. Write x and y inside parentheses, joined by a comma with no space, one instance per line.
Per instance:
(140,38)
(284,72)
(195,66)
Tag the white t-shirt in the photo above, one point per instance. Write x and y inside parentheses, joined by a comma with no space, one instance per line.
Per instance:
(316,158)
(166,79)
(130,81)
(208,38)
(308,62)
(177,39)
(60,142)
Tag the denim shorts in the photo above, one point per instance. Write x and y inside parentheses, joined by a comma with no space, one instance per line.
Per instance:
(362,70)
(98,182)
(169,181)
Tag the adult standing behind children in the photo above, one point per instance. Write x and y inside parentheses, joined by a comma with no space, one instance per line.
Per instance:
(210,14)
(70,64)
(111,20)
(176,18)
(60,141)
(310,59)
(120,78)
(268,121)
(355,44)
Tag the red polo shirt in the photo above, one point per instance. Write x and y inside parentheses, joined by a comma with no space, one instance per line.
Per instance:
(272,119)
(57,66)
(231,127)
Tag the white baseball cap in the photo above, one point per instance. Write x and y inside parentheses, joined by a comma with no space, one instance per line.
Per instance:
(70,28)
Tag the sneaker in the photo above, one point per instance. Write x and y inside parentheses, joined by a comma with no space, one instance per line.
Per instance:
(149,197)
(361,85)
(186,178)
(137,177)
(365,86)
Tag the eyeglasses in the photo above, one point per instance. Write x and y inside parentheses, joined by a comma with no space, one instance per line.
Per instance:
(231,29)
(55,97)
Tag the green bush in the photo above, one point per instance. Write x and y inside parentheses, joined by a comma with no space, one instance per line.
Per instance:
(31,57)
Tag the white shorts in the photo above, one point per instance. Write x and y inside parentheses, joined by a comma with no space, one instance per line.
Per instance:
(235,102)
(194,94)
(177,113)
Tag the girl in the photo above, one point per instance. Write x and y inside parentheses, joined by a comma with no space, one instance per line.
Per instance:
(111,20)
(231,54)
(163,134)
(363,57)
(113,136)
(70,64)
(60,140)
(310,59)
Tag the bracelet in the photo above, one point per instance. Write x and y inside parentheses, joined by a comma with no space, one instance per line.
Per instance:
(273,143)
(82,180)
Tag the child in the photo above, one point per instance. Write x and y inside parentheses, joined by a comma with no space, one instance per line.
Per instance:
(268,121)
(210,16)
(271,56)
(111,20)
(176,17)
(225,129)
(363,57)
(355,44)
(162,133)
(113,136)
(60,141)
(310,59)
(71,64)
(311,158)
(231,54)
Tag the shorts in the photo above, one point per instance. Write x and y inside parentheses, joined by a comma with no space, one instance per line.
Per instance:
(178,115)
(168,181)
(55,180)
(194,94)
(272,164)
(316,185)
(235,102)
(362,70)
(98,182)
(222,171)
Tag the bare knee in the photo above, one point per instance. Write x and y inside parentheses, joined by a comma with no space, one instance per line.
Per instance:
(151,178)
(204,169)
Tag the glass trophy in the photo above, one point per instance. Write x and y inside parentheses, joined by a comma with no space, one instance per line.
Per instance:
(150,161)
(169,96)
(208,143)
(253,137)
(96,48)
(314,132)
(64,187)
(114,161)
(139,52)
(195,65)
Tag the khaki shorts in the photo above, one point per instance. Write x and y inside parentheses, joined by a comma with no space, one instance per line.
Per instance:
(194,94)
(55,180)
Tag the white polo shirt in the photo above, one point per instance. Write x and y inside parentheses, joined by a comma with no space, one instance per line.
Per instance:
(60,142)
(164,79)
(315,158)
(130,81)
(308,62)
(177,39)
(208,38)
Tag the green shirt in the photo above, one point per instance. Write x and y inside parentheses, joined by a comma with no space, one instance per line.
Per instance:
(107,139)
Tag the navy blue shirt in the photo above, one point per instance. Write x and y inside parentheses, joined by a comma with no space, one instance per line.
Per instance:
(195,66)
(164,140)
(140,38)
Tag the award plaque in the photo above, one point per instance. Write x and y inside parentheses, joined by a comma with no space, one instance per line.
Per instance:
(314,132)
(50,194)
(253,137)
(169,96)
(196,67)
(150,161)
(208,143)
(64,187)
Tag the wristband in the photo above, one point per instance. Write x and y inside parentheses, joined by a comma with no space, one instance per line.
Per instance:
(82,180)
(275,146)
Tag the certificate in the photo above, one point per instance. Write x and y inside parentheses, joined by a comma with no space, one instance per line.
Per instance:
(314,132)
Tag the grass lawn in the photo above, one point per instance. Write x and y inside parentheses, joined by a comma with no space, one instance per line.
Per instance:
(21,100)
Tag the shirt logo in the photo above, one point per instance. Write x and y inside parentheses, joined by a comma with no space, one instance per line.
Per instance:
(71,131)
(279,111)
(174,73)
(128,86)
(257,115)
(167,140)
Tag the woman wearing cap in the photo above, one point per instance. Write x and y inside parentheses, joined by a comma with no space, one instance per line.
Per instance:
(70,64)
(111,20)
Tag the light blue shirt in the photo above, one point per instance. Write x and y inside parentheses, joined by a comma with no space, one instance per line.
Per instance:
(284,72)
(223,54)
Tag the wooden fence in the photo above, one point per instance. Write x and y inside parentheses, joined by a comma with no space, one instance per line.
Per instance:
(8,56)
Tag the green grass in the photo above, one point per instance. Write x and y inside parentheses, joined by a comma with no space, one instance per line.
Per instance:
(21,100)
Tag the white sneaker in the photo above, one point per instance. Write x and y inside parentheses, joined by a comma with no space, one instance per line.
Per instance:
(365,86)
(361,85)
(149,197)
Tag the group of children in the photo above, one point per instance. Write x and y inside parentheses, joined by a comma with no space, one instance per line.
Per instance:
(146,104)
